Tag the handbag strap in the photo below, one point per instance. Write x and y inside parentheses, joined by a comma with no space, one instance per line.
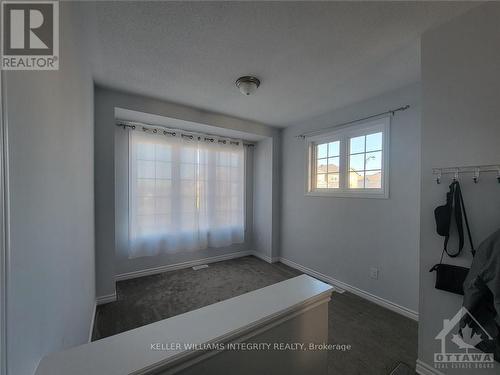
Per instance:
(472,250)
(457,204)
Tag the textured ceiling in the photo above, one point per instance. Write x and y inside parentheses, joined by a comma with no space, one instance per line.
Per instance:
(311,57)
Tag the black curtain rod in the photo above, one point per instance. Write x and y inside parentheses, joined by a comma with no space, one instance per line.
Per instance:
(173,132)
(391,112)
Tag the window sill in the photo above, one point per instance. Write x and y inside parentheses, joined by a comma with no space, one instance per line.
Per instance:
(349,194)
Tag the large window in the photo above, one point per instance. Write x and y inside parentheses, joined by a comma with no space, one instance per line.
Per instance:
(185,193)
(351,161)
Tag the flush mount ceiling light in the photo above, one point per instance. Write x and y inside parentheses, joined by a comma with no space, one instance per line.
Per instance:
(247,84)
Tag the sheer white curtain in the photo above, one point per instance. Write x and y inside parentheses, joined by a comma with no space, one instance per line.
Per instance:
(183,194)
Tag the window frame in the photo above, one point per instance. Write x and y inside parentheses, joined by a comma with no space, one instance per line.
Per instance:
(343,134)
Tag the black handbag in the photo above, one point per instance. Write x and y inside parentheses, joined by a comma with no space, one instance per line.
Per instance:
(450,277)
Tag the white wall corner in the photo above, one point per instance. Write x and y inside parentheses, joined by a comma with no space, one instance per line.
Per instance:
(425,369)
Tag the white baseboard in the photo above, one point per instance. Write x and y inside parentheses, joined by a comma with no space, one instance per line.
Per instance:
(264,257)
(91,329)
(425,369)
(106,299)
(178,266)
(341,287)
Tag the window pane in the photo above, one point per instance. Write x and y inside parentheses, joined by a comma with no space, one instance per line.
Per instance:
(187,171)
(357,162)
(163,170)
(145,151)
(163,222)
(235,160)
(188,204)
(188,155)
(188,189)
(145,169)
(374,142)
(321,166)
(374,160)
(145,187)
(321,181)
(321,151)
(356,180)
(373,180)
(333,148)
(162,205)
(163,153)
(223,173)
(357,144)
(333,165)
(333,180)
(163,188)
(146,225)
(145,205)
(223,158)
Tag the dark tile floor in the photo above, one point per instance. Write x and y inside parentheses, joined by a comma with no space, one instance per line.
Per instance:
(380,338)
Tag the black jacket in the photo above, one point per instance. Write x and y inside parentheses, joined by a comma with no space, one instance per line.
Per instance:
(482,293)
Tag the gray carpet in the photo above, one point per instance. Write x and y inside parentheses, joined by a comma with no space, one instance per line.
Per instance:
(380,338)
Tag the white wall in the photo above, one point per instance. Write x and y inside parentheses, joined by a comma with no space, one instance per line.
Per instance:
(51,289)
(111,183)
(344,237)
(460,126)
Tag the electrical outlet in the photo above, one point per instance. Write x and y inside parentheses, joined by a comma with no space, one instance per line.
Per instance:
(374,273)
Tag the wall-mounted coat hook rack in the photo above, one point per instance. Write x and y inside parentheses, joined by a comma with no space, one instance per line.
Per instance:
(475,171)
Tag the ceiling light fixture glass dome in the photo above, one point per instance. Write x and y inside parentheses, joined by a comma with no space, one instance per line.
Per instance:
(247,84)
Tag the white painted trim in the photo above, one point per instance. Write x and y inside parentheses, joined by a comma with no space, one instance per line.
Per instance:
(425,369)
(264,257)
(106,299)
(4,224)
(341,287)
(178,266)
(92,321)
